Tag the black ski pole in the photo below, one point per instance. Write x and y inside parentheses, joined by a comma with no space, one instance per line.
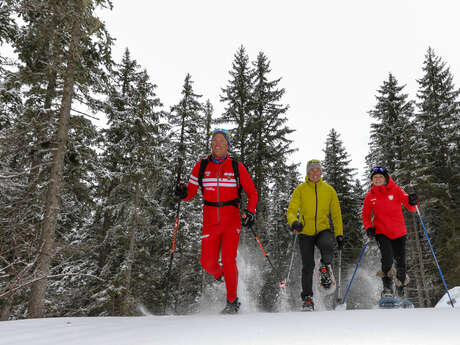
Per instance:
(281,283)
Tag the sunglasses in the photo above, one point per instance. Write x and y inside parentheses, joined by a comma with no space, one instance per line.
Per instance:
(221,130)
(379,170)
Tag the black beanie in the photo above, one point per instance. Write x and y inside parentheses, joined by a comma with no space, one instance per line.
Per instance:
(382,171)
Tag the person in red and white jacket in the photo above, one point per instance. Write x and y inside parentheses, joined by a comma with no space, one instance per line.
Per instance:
(221,213)
(383,219)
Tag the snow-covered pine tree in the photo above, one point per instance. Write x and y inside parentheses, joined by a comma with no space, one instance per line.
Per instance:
(238,98)
(278,237)
(267,153)
(131,174)
(437,157)
(338,173)
(189,135)
(208,114)
(54,68)
(390,144)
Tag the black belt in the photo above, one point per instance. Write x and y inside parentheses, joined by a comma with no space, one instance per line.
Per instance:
(234,202)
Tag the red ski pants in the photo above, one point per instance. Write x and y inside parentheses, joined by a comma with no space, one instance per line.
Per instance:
(225,237)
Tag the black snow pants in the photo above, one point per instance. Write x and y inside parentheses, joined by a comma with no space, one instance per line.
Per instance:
(324,240)
(393,249)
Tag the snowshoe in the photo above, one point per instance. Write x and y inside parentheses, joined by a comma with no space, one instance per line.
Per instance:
(326,280)
(308,304)
(232,307)
(325,276)
(387,299)
(388,302)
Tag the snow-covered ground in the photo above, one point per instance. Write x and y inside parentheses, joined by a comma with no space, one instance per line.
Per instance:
(429,326)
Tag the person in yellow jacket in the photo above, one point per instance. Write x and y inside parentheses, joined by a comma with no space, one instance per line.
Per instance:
(308,214)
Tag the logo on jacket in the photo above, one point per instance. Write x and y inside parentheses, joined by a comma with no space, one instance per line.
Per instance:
(390,196)
(238,230)
(207,173)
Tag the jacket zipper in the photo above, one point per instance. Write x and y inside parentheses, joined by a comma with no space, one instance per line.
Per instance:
(218,199)
(316,208)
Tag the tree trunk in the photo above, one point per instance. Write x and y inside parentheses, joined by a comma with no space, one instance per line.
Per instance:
(6,308)
(125,304)
(36,306)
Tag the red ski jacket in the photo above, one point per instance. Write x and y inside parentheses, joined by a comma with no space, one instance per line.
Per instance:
(384,203)
(219,185)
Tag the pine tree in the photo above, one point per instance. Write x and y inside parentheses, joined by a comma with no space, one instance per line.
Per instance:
(60,49)
(437,139)
(189,134)
(339,174)
(390,146)
(239,104)
(132,163)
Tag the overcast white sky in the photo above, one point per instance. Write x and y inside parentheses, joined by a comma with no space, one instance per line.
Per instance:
(332,55)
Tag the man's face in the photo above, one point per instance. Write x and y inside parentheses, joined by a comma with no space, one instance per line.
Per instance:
(219,146)
(314,175)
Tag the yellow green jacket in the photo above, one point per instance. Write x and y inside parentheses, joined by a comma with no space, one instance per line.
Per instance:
(311,203)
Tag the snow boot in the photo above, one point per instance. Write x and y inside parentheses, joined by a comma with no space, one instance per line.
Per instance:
(387,287)
(325,276)
(400,286)
(307,304)
(232,307)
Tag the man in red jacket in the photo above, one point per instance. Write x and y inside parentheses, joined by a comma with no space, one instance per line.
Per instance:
(383,203)
(221,212)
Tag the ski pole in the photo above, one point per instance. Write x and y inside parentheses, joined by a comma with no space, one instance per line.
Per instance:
(340,277)
(354,273)
(434,256)
(280,283)
(292,258)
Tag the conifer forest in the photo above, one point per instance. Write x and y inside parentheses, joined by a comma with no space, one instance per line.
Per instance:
(87,213)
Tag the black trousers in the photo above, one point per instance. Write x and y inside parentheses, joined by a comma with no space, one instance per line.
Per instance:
(393,249)
(324,240)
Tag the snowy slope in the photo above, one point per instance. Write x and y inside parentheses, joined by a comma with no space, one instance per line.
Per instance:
(404,326)
(429,326)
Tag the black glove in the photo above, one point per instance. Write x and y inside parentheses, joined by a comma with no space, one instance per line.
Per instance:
(370,232)
(180,192)
(413,200)
(248,218)
(297,226)
(339,240)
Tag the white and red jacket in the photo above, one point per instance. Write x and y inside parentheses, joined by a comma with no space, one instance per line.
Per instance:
(219,185)
(384,204)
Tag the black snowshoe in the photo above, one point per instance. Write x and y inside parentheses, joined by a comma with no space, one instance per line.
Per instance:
(232,307)
(308,304)
(325,276)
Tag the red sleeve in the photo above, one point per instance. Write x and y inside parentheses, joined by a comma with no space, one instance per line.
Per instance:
(404,198)
(192,186)
(367,212)
(248,186)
